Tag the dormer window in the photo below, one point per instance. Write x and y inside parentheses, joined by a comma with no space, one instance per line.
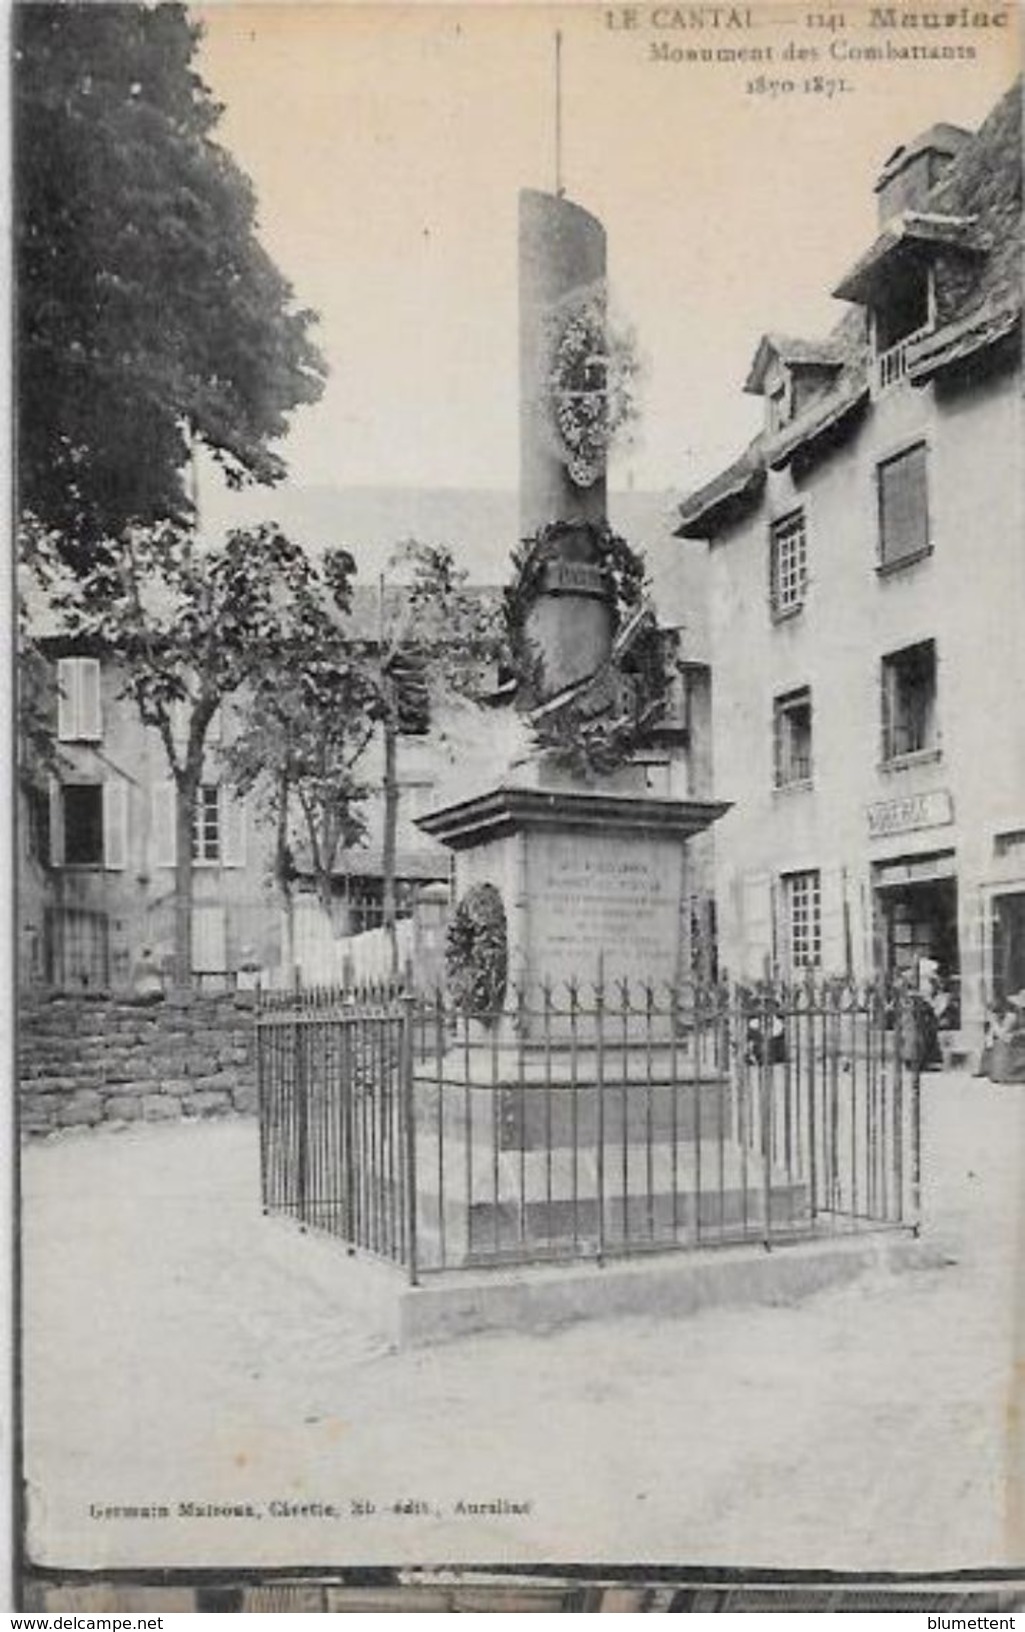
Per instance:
(904,309)
(790,374)
(778,407)
(902,314)
(895,279)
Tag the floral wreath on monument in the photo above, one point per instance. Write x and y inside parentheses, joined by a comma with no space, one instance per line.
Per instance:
(598,726)
(584,738)
(477,953)
(589,382)
(621,566)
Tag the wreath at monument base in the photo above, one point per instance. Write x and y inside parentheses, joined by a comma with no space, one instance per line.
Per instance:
(592,747)
(477,953)
(598,727)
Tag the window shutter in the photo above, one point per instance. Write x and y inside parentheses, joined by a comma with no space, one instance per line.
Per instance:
(115,826)
(67,698)
(233,829)
(164,824)
(757,914)
(209,940)
(885,712)
(56,823)
(90,712)
(782,951)
(880,941)
(903,507)
(834,920)
(79,712)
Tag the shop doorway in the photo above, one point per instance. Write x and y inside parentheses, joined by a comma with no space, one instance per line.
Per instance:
(918,920)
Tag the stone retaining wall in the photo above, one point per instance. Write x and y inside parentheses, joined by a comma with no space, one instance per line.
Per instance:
(90,1060)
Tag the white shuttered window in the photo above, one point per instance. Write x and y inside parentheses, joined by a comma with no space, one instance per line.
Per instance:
(115,826)
(79,714)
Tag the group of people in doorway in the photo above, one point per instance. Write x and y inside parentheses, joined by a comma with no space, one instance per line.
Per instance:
(1003,1054)
(935,1010)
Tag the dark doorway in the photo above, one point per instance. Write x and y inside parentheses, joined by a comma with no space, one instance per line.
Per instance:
(919,920)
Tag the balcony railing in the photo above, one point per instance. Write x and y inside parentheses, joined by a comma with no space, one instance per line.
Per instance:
(892,364)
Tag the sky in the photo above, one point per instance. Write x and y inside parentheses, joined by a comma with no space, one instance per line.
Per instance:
(388,142)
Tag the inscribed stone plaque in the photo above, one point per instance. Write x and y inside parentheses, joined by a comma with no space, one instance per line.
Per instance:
(603,900)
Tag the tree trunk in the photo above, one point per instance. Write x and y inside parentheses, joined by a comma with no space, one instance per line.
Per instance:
(391,821)
(285,879)
(185,804)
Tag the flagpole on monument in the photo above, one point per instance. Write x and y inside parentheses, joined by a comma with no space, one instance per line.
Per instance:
(560,191)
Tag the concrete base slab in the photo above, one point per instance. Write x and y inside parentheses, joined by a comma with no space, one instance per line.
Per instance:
(540,1298)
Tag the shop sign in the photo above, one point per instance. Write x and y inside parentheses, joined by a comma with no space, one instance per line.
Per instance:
(916,870)
(909,813)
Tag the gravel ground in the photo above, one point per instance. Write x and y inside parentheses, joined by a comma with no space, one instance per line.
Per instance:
(181,1348)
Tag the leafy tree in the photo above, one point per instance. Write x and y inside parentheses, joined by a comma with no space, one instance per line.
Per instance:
(300,749)
(37,751)
(149,317)
(190,627)
(440,644)
(306,731)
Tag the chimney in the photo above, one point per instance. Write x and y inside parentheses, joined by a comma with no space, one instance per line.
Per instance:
(910,174)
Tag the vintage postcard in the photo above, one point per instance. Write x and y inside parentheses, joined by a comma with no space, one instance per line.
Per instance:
(521,791)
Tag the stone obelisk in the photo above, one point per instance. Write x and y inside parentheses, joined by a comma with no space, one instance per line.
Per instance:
(592,873)
(592,870)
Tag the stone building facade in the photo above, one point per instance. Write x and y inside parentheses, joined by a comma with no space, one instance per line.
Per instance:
(96,849)
(867,593)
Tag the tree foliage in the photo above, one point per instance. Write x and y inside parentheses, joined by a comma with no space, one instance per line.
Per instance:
(441,643)
(148,314)
(190,627)
(306,730)
(35,677)
(452,634)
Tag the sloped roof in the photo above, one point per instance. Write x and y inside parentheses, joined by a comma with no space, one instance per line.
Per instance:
(817,423)
(910,232)
(726,496)
(986,180)
(795,353)
(959,341)
(973,221)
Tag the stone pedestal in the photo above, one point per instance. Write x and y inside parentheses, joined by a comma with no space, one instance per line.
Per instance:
(592,881)
(553,1128)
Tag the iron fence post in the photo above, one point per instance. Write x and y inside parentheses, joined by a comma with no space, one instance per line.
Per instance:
(263,1114)
(599,1155)
(408,1092)
(809,991)
(916,1147)
(768,1088)
(301,1122)
(897,1109)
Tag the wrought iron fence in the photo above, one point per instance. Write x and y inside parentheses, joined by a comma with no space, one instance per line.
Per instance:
(588,1122)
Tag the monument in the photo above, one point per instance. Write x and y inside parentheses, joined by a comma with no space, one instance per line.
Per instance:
(571,876)
(590,866)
